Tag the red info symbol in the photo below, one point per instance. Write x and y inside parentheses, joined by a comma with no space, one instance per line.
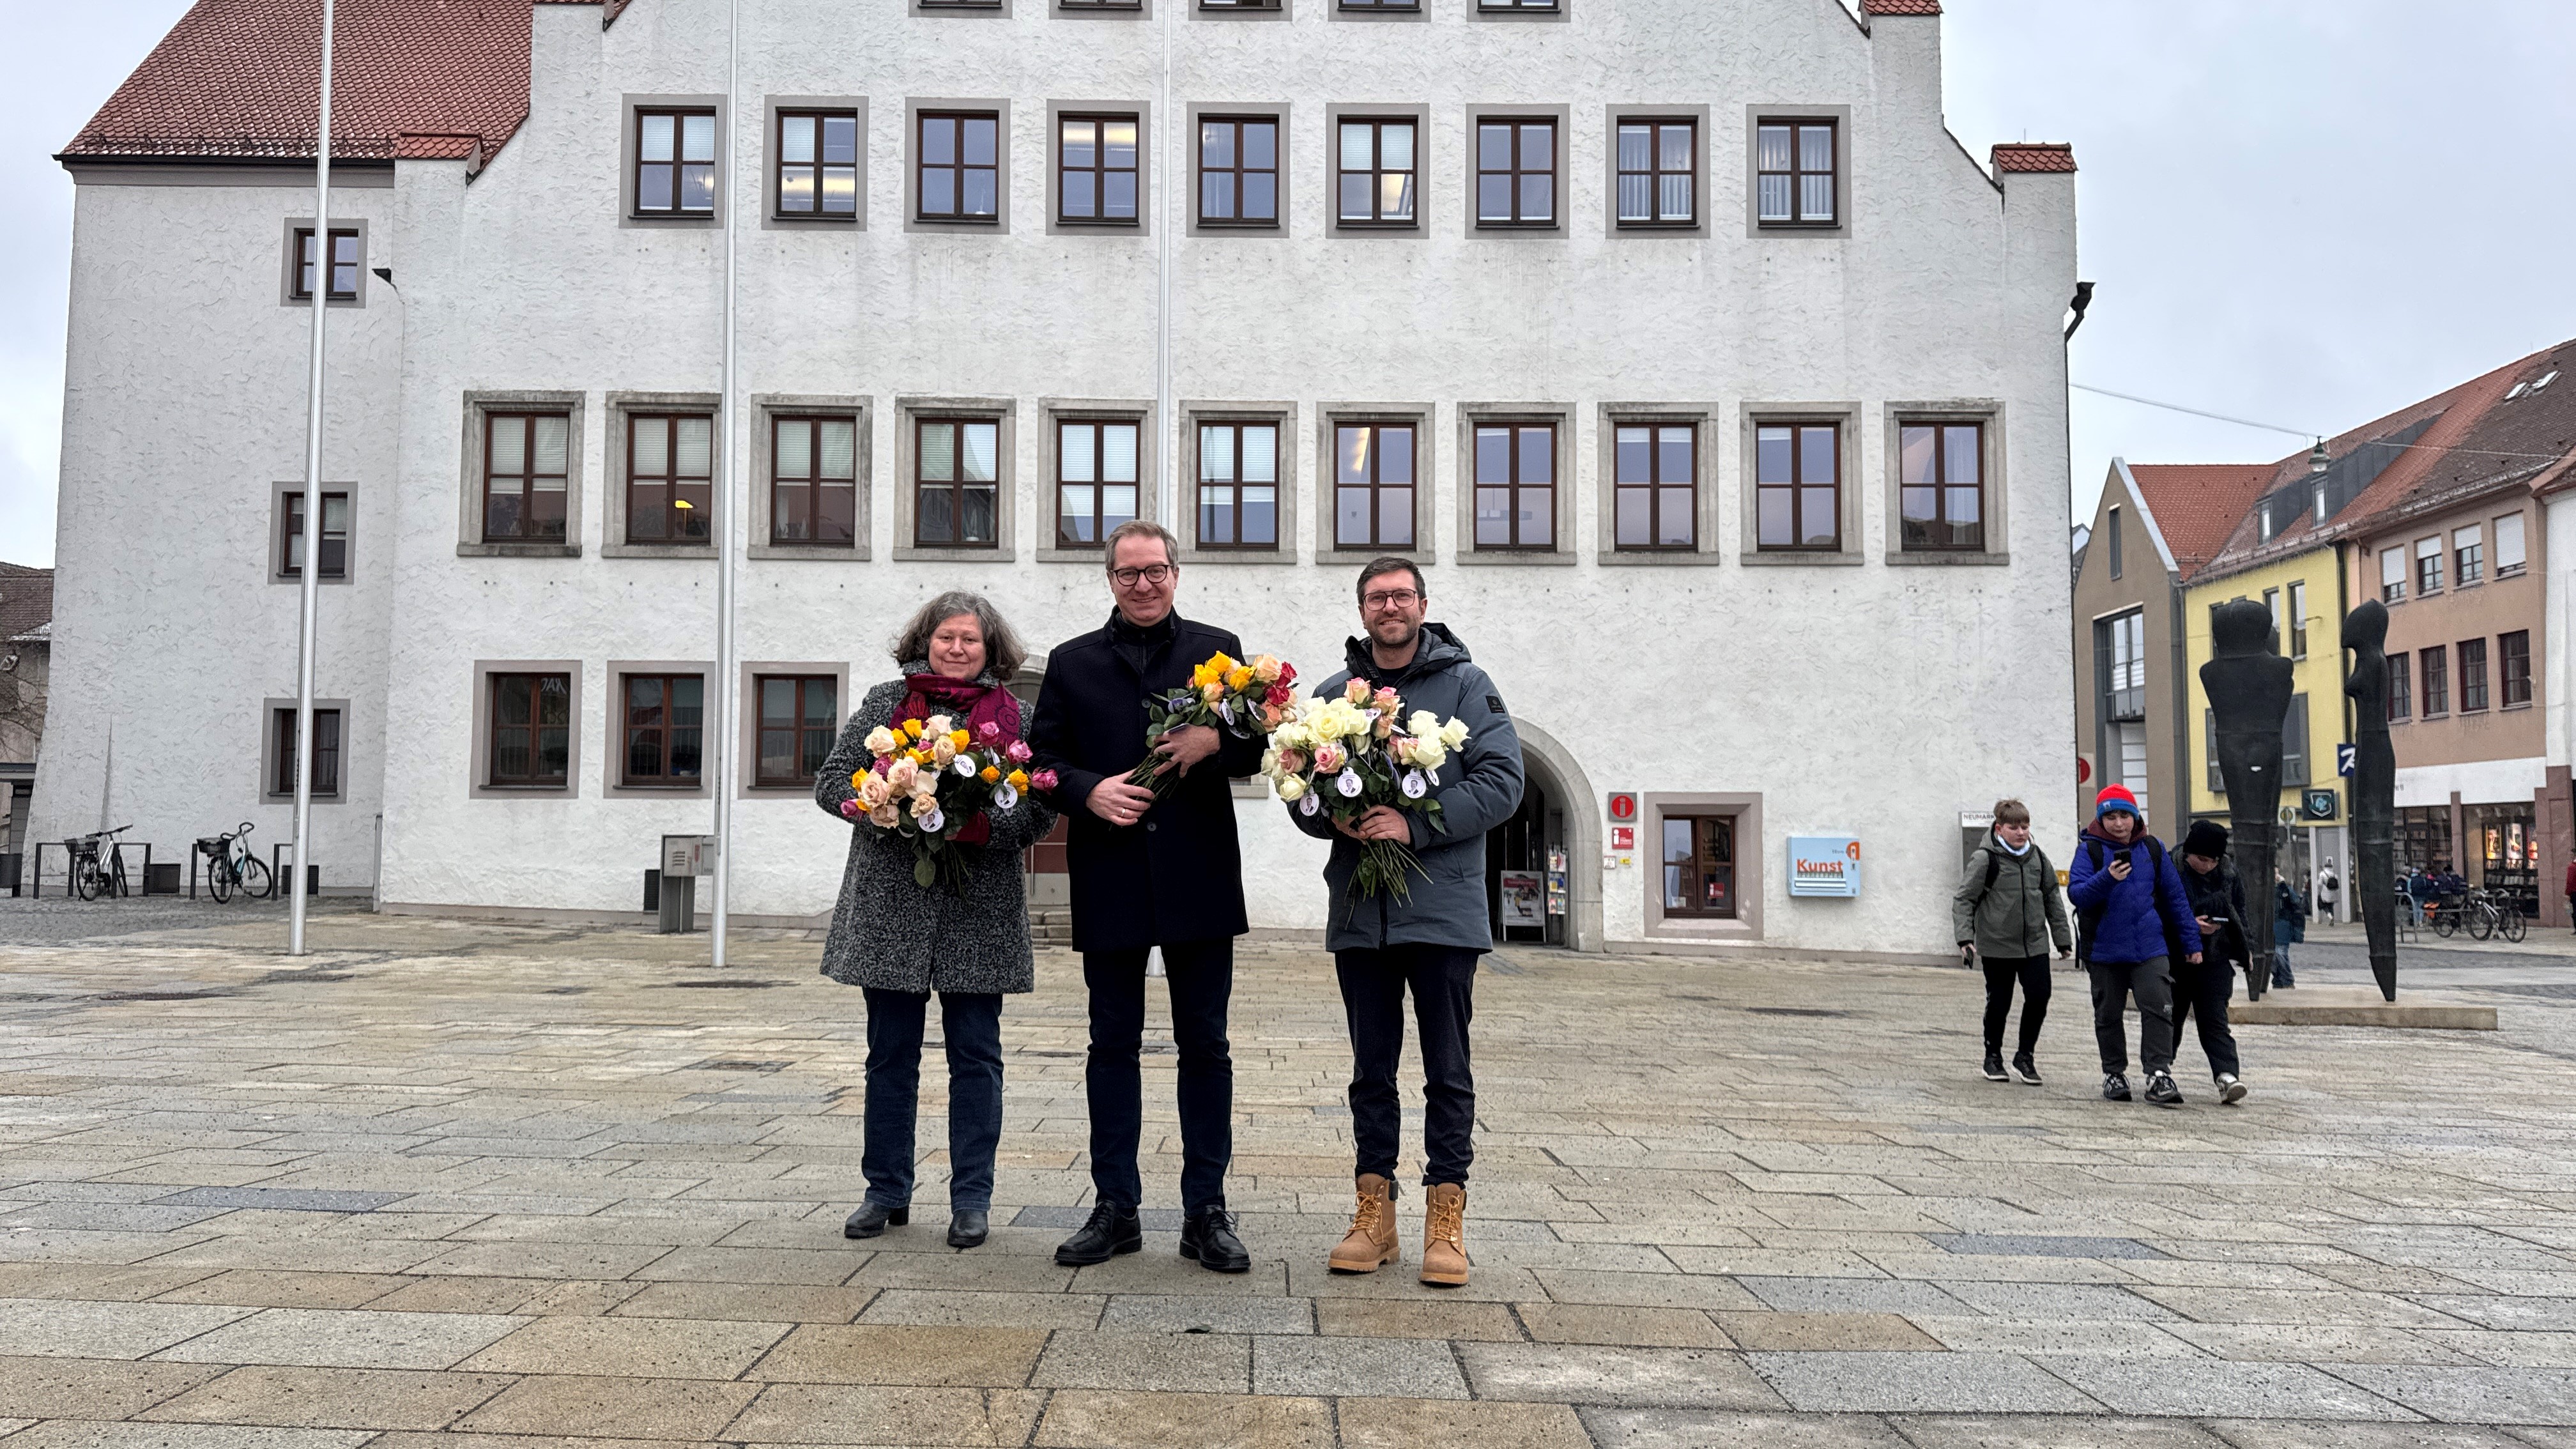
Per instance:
(1623,806)
(1623,837)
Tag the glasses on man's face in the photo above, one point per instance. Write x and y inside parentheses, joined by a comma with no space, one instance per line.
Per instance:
(1150,574)
(1390,599)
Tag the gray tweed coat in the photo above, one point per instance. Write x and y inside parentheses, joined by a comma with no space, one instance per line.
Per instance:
(893,935)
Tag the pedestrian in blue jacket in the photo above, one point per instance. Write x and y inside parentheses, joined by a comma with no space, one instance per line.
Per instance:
(2132,919)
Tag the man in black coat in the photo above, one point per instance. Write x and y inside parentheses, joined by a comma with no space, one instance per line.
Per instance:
(1148,873)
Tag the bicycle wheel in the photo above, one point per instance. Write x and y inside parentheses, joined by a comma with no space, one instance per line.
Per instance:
(2482,921)
(85,878)
(219,879)
(2516,925)
(2446,921)
(254,878)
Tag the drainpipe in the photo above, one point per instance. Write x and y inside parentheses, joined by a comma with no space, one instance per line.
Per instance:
(1166,487)
(726,513)
(307,627)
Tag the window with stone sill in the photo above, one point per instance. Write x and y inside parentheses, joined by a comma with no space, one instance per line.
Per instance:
(2513,659)
(347,258)
(670,477)
(1797,487)
(818,165)
(335,537)
(2469,555)
(2436,672)
(2401,694)
(1797,172)
(2473,675)
(1238,171)
(1699,866)
(1656,470)
(814,486)
(2392,575)
(526,459)
(1373,485)
(1515,172)
(531,730)
(1096,479)
(1658,173)
(1515,486)
(662,729)
(326,752)
(1941,482)
(1096,170)
(799,719)
(956,487)
(2428,565)
(959,165)
(675,163)
(1238,485)
(1376,170)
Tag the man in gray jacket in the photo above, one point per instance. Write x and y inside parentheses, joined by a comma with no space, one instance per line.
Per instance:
(2008,910)
(1427,942)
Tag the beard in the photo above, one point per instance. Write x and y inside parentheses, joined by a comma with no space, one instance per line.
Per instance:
(1403,634)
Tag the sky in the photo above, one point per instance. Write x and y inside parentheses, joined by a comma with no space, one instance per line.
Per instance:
(2302,212)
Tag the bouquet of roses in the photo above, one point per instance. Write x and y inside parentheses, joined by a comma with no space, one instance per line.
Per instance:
(933,784)
(1240,699)
(1347,755)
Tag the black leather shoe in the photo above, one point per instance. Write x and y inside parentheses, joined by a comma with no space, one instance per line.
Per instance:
(967,1228)
(874,1218)
(1209,1237)
(1112,1230)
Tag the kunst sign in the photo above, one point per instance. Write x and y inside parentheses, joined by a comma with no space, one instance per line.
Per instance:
(1824,865)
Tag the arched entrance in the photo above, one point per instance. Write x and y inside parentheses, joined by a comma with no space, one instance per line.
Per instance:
(1543,866)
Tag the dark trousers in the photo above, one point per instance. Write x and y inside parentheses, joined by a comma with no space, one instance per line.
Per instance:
(971,1024)
(1443,982)
(2113,984)
(1201,977)
(2205,989)
(2001,973)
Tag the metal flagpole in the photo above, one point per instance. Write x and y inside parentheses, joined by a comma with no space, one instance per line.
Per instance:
(727,512)
(312,571)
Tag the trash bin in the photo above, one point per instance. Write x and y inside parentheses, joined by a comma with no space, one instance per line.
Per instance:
(161,879)
(684,859)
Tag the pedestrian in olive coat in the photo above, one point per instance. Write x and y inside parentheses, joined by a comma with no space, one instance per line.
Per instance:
(2008,912)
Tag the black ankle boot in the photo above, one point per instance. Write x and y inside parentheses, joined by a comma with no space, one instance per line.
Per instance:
(968,1227)
(1111,1231)
(1208,1236)
(873,1218)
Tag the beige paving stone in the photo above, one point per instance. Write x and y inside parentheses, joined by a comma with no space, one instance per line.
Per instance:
(854,1414)
(56,1388)
(462,1295)
(904,1355)
(2057,1431)
(1092,1419)
(641,1347)
(2322,1343)
(1416,1317)
(102,1282)
(1617,1324)
(345,1338)
(541,1260)
(1717,1429)
(2288,1434)
(333,1398)
(751,1302)
(267,1288)
(87,1434)
(1005,1310)
(689,1409)
(1376,1423)
(1166,1362)
(74,1329)
(1645,1290)
(750,1265)
(1846,1332)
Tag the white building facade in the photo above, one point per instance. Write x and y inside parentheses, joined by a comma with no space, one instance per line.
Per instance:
(1718,392)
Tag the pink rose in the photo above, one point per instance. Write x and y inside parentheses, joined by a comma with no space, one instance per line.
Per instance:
(990,732)
(1043,780)
(1386,700)
(1017,752)
(850,808)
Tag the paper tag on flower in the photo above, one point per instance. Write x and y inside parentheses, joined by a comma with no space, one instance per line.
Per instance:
(933,821)
(1004,797)
(1348,782)
(1413,785)
(1308,805)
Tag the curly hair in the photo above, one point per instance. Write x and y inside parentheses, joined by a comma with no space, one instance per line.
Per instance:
(1003,653)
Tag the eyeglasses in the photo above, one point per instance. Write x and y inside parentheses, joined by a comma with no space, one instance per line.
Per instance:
(1149,574)
(1390,599)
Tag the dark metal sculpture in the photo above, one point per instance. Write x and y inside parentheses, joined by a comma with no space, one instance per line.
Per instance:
(2249,686)
(2374,789)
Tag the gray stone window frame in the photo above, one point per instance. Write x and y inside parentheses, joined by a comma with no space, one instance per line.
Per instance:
(1196,111)
(1754,226)
(1426,479)
(1707,466)
(1478,230)
(612,539)
(1751,861)
(996,9)
(1471,415)
(1104,9)
(469,536)
(1492,10)
(1000,106)
(1413,230)
(768,405)
(1143,111)
(1998,482)
(286,263)
(1752,417)
(276,545)
(770,108)
(1284,415)
(268,761)
(1006,493)
(746,724)
(1269,10)
(1149,489)
(631,139)
(1611,116)
(613,731)
(478,764)
(1396,10)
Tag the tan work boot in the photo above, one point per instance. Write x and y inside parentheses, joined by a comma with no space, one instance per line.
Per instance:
(1444,1243)
(1370,1244)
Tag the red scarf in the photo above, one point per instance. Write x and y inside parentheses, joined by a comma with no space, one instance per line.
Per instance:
(979,704)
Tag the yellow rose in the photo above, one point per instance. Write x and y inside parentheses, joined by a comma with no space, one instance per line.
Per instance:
(881,741)
(1237,677)
(960,738)
(1019,779)
(912,728)
(988,775)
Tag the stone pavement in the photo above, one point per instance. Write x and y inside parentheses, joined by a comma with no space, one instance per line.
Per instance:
(484,1186)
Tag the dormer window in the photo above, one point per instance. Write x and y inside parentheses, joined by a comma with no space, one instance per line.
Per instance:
(2320,504)
(2263,521)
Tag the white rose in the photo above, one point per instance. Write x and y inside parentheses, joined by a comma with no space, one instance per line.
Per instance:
(881,741)
(1454,733)
(1429,754)
(1291,788)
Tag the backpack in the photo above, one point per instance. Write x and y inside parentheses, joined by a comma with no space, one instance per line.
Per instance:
(2090,920)
(1995,867)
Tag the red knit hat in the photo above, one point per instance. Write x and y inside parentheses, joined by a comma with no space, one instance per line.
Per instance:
(2115,797)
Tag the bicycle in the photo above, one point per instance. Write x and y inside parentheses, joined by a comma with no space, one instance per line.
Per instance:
(229,863)
(2490,915)
(93,876)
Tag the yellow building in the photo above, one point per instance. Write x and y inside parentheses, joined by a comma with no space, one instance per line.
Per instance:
(2301,580)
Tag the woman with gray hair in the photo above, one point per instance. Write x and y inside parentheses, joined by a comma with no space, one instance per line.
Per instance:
(899,941)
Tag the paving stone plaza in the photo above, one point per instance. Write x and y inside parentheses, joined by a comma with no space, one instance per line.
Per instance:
(487,1186)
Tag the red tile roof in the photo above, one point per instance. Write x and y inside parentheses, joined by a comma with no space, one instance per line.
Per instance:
(2196,505)
(26,601)
(2042,156)
(1900,7)
(237,80)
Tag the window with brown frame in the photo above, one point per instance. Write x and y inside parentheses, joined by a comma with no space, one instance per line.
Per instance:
(1515,486)
(2401,673)
(1942,479)
(675,163)
(1795,173)
(526,457)
(2513,659)
(1517,5)
(1238,171)
(1656,468)
(1515,172)
(1376,168)
(1095,480)
(335,537)
(346,258)
(814,481)
(1658,173)
(1381,4)
(1096,169)
(960,165)
(531,729)
(799,719)
(1238,4)
(2436,670)
(2468,556)
(664,719)
(1699,866)
(1099,4)
(670,477)
(326,752)
(818,165)
(1373,485)
(956,487)
(1238,485)
(2473,676)
(1797,487)
(2428,566)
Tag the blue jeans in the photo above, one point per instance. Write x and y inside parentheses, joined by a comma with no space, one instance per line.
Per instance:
(971,1022)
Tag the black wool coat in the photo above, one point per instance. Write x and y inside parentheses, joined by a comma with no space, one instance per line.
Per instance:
(1177,874)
